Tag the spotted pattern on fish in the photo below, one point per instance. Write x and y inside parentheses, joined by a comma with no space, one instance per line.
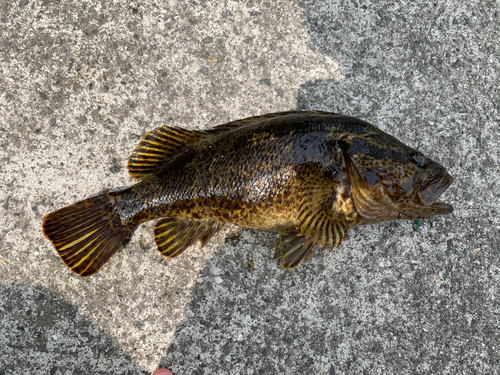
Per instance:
(308,175)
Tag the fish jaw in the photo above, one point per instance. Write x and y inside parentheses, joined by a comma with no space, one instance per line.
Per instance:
(432,189)
(425,202)
(413,212)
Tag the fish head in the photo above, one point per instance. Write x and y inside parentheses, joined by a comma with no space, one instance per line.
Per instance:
(389,180)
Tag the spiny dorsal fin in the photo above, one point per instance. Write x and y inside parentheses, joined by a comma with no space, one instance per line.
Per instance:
(253,119)
(173,235)
(158,146)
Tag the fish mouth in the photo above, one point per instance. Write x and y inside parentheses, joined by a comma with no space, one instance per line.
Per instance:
(427,196)
(425,201)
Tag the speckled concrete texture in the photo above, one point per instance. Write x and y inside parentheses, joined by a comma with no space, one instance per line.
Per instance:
(81,82)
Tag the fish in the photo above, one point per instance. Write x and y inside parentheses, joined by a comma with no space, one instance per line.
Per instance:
(307,175)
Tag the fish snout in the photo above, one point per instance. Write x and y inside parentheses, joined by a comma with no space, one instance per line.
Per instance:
(432,189)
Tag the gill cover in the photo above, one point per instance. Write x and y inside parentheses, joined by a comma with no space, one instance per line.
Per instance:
(371,204)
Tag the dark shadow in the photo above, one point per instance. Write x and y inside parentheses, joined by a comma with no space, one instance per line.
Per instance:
(343,312)
(250,315)
(42,334)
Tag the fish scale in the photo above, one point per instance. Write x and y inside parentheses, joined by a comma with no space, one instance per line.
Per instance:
(308,175)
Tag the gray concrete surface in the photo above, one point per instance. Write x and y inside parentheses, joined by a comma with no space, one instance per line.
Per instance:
(81,81)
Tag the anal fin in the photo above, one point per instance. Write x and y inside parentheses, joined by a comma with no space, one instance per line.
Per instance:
(173,235)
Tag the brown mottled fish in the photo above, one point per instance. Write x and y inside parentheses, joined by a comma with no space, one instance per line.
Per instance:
(308,175)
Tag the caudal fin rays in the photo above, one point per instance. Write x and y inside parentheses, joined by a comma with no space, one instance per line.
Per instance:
(85,234)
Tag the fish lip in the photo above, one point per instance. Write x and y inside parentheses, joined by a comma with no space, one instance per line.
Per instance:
(442,207)
(436,185)
(429,192)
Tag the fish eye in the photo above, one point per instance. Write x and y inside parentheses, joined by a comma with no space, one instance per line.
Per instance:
(419,160)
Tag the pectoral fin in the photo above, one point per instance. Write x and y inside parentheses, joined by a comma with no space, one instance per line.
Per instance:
(319,218)
(173,235)
(320,223)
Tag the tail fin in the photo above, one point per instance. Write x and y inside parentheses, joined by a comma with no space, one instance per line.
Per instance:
(85,234)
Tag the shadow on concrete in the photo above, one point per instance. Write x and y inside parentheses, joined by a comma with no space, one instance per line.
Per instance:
(250,316)
(42,334)
(358,310)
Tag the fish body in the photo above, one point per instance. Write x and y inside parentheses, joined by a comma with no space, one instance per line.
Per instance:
(308,175)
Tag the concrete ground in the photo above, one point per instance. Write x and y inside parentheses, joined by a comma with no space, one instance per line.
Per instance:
(82,81)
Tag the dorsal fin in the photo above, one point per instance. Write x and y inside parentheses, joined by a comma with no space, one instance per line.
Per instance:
(158,146)
(253,119)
